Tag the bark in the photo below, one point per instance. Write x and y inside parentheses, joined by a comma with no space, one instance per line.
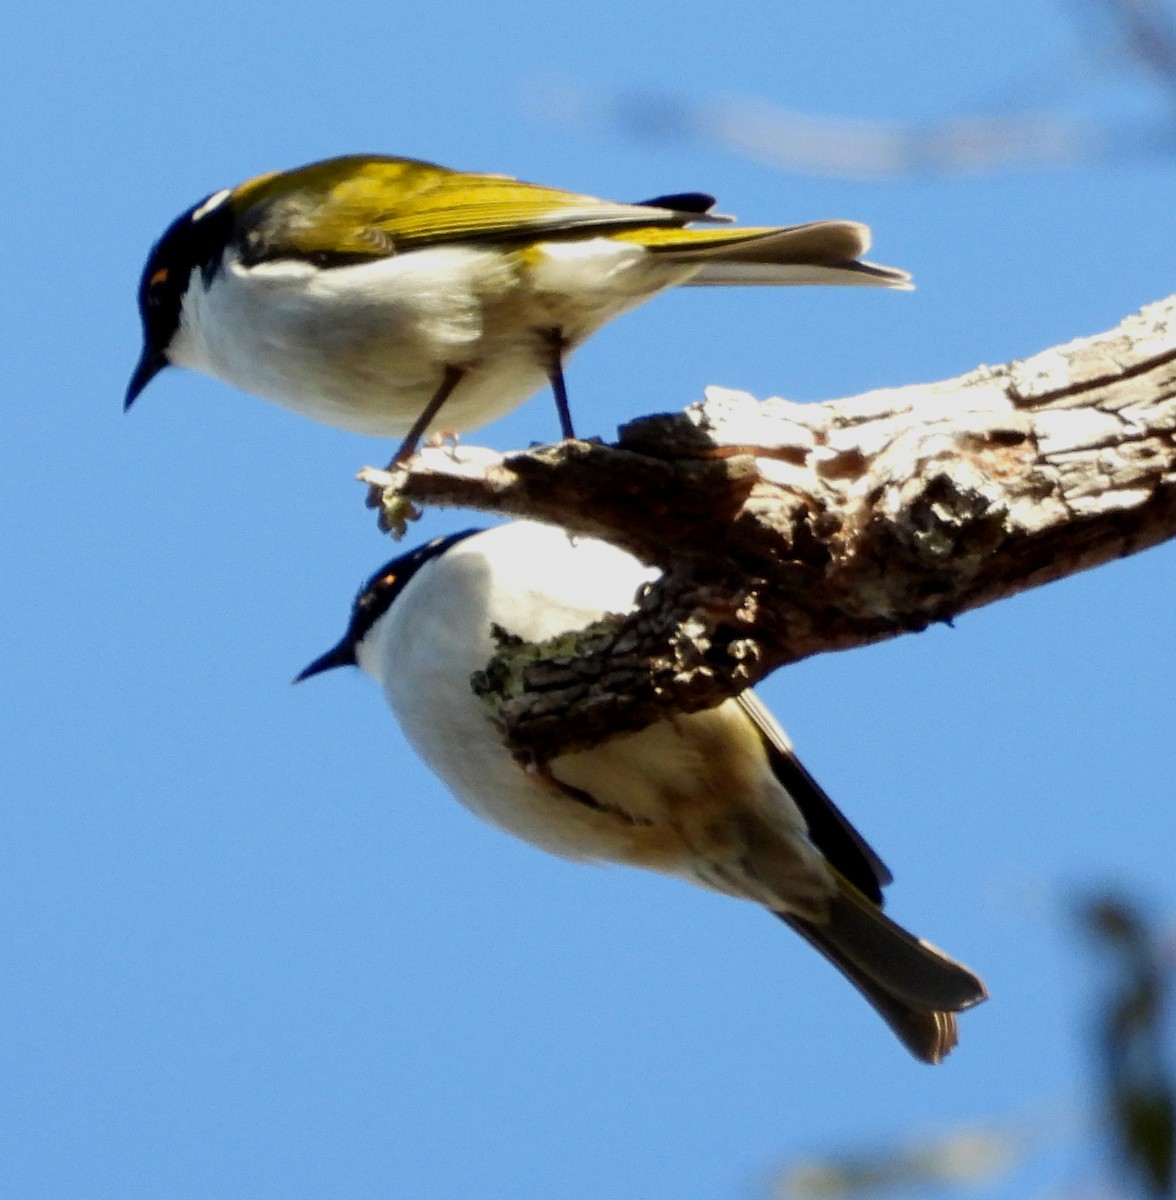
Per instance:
(788,529)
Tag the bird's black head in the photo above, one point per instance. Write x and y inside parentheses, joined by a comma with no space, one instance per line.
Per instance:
(195,239)
(376,598)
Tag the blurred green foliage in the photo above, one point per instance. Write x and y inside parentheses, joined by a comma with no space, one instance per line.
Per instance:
(1140,1106)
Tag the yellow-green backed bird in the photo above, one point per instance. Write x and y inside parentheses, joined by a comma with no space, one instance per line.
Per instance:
(395,297)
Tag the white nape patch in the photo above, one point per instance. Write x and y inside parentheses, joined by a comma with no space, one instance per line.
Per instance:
(213,201)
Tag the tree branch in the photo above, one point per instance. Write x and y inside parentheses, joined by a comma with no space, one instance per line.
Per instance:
(788,529)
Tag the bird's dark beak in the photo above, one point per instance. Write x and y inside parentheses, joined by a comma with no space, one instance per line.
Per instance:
(342,655)
(151,362)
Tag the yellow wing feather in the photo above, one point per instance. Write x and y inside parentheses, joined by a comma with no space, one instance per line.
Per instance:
(369,207)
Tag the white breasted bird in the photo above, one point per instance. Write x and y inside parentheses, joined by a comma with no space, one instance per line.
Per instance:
(715,797)
(397,298)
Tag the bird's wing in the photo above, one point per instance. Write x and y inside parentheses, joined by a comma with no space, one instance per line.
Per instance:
(357,208)
(828,828)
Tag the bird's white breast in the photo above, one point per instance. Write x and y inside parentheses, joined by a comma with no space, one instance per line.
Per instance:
(437,634)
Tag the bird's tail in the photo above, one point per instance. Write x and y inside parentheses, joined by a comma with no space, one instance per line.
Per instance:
(916,988)
(823,252)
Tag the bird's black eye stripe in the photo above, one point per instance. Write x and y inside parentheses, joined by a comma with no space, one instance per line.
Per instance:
(378,594)
(195,240)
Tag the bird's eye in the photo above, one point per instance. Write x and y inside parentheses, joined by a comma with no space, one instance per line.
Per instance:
(159,277)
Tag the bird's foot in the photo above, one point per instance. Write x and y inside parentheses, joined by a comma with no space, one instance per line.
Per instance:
(394,510)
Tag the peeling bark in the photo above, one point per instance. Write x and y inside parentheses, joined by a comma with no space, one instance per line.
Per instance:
(788,529)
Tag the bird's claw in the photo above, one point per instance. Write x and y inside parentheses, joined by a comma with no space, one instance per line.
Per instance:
(394,510)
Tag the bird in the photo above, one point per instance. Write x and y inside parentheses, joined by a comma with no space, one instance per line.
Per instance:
(398,298)
(716,797)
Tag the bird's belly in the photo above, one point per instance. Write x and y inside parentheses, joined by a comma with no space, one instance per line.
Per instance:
(453,732)
(482,774)
(365,347)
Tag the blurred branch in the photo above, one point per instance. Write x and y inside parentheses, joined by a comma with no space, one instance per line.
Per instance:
(966,1157)
(843,148)
(785,529)
(1140,34)
(1147,35)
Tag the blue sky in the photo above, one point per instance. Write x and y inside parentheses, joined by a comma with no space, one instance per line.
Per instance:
(249,946)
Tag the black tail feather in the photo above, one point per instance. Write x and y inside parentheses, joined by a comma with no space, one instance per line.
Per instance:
(914,987)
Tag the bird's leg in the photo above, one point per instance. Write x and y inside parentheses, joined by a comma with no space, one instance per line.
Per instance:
(556,344)
(450,380)
(394,510)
